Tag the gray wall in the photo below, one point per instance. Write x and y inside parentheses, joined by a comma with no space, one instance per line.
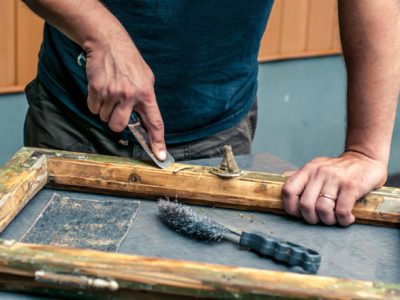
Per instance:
(12,114)
(302,108)
(301,112)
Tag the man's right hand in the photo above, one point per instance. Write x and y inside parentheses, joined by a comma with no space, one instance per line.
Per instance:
(120,81)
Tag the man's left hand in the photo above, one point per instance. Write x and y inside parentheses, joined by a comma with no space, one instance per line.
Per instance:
(326,189)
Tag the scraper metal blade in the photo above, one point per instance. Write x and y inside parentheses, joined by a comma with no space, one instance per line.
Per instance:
(144,140)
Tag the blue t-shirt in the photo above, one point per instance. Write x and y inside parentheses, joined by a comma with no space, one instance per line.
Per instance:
(203,54)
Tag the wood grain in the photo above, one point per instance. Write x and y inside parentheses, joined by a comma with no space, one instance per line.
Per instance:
(70,270)
(336,43)
(7,44)
(300,29)
(271,40)
(321,22)
(12,89)
(196,184)
(96,275)
(294,26)
(299,55)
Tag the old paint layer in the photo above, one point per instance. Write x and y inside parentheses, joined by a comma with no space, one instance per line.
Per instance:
(19,182)
(136,274)
(172,277)
(196,184)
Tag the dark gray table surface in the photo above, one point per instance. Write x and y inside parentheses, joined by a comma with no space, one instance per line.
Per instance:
(358,252)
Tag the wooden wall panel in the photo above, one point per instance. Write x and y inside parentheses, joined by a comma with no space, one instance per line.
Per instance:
(301,28)
(336,45)
(271,40)
(320,25)
(29,37)
(7,43)
(294,26)
(297,28)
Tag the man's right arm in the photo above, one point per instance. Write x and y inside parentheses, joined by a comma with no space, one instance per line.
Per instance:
(119,80)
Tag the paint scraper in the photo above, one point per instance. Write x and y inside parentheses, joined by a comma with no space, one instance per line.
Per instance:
(143,139)
(136,128)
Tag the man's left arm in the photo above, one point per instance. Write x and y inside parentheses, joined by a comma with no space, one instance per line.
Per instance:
(326,189)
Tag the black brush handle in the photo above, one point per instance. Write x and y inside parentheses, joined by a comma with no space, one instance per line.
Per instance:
(81,61)
(282,251)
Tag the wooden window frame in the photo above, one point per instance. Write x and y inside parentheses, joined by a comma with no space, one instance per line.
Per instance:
(91,274)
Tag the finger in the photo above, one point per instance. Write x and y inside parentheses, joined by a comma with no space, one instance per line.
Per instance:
(94,103)
(95,88)
(344,205)
(289,173)
(320,159)
(151,118)
(291,192)
(325,206)
(326,210)
(308,200)
(106,110)
(120,117)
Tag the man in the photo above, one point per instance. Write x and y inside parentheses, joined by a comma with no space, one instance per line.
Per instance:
(190,67)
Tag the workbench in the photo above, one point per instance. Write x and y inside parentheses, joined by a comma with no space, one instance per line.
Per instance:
(361,252)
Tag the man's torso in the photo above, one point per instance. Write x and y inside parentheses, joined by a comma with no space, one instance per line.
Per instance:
(203,54)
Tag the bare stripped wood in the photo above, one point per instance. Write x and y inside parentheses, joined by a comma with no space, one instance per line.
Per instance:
(7,44)
(110,273)
(20,180)
(196,184)
(29,36)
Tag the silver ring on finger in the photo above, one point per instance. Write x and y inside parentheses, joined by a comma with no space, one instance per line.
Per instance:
(324,195)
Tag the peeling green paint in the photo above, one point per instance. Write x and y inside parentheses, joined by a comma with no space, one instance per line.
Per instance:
(363,201)
(31,260)
(13,168)
(17,258)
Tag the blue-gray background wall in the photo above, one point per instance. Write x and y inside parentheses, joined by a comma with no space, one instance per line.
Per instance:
(301,112)
(12,114)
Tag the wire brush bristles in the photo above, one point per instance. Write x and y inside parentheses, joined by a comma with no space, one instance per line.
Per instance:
(184,220)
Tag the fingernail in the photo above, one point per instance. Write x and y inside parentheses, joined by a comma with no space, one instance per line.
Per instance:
(162,155)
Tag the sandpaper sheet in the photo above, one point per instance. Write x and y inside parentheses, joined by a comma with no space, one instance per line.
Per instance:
(83,223)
